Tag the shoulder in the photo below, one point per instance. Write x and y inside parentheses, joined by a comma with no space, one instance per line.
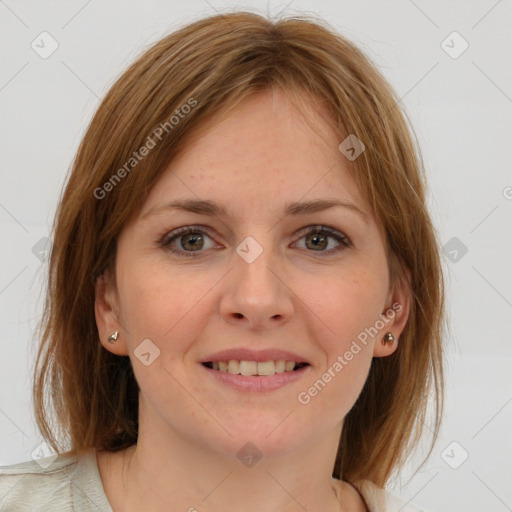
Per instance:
(50,484)
(29,485)
(381,500)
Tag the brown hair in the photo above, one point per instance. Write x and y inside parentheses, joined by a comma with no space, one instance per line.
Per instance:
(217,62)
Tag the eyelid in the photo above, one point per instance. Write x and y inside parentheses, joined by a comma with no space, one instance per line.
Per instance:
(168,236)
(322,229)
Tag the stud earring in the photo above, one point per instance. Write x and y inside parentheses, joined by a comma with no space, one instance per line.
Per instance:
(388,338)
(113,337)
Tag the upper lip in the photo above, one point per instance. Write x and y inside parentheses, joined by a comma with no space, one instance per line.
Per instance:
(245,354)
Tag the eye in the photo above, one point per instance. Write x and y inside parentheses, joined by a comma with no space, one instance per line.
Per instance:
(192,241)
(317,239)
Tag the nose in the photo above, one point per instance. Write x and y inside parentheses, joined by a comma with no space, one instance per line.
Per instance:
(256,294)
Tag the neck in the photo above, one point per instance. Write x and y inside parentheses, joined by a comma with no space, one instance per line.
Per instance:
(168,471)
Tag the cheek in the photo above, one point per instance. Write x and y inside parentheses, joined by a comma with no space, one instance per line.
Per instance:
(347,303)
(162,303)
(334,390)
(166,308)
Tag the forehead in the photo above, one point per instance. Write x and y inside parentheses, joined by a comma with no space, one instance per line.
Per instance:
(264,153)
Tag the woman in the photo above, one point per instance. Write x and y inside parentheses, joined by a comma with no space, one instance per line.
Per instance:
(245,301)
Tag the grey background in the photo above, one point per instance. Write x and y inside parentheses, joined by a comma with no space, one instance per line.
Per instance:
(461,109)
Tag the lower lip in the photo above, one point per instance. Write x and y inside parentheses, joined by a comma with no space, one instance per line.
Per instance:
(256,383)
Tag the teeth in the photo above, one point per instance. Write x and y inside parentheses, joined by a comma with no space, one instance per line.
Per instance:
(289,366)
(245,368)
(267,368)
(280,366)
(254,367)
(234,366)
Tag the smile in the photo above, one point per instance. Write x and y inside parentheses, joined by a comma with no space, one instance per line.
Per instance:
(264,368)
(253,382)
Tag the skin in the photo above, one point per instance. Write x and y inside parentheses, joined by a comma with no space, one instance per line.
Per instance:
(294,296)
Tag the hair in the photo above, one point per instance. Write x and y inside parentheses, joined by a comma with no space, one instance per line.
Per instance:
(214,64)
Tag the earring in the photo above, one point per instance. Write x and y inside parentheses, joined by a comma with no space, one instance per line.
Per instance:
(113,337)
(388,338)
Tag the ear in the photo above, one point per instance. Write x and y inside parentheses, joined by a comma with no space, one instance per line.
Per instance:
(394,316)
(107,322)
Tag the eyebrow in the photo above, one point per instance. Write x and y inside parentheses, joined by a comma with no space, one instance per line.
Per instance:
(206,207)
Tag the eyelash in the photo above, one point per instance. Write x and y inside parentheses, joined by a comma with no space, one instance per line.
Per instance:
(166,240)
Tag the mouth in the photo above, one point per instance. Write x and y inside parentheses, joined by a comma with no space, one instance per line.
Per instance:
(255,368)
(256,376)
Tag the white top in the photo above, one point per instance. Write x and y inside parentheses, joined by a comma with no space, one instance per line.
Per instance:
(72,482)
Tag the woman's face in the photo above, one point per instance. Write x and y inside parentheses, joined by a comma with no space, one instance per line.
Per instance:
(254,277)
